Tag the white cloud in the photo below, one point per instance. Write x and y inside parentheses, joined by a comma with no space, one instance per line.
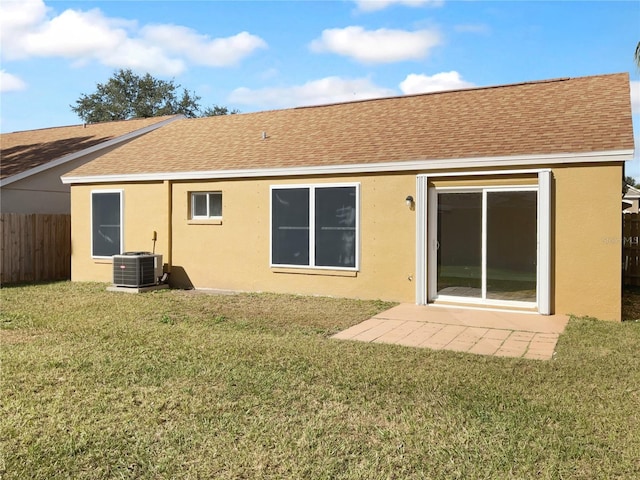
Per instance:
(418,83)
(635,98)
(336,89)
(377,46)
(374,5)
(315,92)
(142,56)
(28,29)
(74,34)
(16,17)
(201,49)
(11,83)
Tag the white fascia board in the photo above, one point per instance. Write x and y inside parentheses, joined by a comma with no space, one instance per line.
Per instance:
(87,151)
(632,192)
(412,165)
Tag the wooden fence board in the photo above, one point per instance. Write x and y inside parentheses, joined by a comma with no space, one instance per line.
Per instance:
(35,247)
(631,249)
(28,254)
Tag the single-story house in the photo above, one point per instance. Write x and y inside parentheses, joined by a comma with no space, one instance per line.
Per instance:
(462,197)
(34,160)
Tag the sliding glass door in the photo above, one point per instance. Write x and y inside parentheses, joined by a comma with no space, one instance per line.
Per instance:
(487,245)
(511,246)
(459,245)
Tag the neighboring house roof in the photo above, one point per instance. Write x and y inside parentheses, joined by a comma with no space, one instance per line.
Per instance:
(632,193)
(581,117)
(27,152)
(631,197)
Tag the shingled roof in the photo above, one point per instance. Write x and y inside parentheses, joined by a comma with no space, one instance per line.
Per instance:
(25,150)
(562,116)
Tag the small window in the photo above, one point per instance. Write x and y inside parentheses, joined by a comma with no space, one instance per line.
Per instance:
(106,223)
(206,205)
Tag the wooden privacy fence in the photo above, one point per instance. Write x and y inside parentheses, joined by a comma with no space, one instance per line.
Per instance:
(631,249)
(35,247)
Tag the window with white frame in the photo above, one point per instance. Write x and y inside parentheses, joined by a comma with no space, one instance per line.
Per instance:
(205,205)
(315,226)
(106,223)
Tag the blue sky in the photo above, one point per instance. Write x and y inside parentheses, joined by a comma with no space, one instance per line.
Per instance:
(275,54)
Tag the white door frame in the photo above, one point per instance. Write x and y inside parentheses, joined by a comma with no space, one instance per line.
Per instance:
(426,226)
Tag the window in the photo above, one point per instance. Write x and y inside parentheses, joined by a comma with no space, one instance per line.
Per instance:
(106,223)
(206,205)
(315,226)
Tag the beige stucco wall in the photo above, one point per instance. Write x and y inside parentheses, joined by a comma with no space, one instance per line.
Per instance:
(588,247)
(145,211)
(234,254)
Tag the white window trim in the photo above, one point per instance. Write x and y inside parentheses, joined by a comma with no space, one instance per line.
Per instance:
(423,227)
(312,187)
(544,242)
(121,192)
(426,225)
(204,217)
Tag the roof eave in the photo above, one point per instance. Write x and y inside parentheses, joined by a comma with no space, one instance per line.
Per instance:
(410,165)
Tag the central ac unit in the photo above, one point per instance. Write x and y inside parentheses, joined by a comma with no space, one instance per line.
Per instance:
(136,269)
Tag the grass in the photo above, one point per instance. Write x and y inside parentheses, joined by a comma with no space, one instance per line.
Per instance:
(175,384)
(631,303)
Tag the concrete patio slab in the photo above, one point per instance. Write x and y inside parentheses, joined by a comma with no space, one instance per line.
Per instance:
(423,331)
(359,328)
(483,332)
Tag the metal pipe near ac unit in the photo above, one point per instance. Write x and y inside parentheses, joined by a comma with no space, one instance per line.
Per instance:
(169,193)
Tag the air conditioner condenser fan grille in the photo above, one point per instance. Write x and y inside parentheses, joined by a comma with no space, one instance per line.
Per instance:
(136,269)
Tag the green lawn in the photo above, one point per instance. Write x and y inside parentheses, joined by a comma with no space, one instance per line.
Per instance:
(175,384)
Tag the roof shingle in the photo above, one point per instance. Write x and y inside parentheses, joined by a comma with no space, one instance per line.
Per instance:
(22,151)
(586,114)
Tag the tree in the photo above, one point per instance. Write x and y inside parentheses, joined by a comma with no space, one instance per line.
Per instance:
(628,182)
(218,110)
(127,95)
(637,55)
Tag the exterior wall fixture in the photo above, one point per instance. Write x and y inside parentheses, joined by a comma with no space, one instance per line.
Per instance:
(409,201)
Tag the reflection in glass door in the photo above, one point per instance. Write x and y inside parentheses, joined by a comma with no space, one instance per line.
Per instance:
(486,245)
(460,244)
(511,246)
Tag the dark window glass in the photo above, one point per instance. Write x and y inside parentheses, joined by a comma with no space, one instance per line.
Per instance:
(460,244)
(199,204)
(107,224)
(215,204)
(512,245)
(335,227)
(290,226)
